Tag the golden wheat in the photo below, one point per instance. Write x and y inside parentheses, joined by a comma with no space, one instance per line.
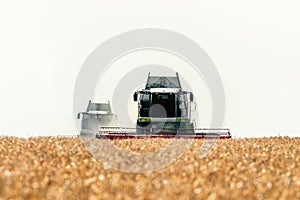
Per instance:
(62,168)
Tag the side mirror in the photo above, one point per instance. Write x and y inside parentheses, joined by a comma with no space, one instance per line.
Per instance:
(135,96)
(191,97)
(78,116)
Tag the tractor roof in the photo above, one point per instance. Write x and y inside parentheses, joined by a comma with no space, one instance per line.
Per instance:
(163,82)
(94,107)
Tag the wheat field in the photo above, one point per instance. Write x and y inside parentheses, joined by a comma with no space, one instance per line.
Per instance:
(63,168)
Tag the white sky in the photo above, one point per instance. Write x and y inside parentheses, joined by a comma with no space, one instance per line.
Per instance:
(254,44)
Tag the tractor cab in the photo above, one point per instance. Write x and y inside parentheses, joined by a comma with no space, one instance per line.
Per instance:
(163,101)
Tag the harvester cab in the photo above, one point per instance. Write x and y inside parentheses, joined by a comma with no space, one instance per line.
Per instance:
(163,106)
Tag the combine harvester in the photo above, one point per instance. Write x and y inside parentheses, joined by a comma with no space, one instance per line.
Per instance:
(96,114)
(164,111)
